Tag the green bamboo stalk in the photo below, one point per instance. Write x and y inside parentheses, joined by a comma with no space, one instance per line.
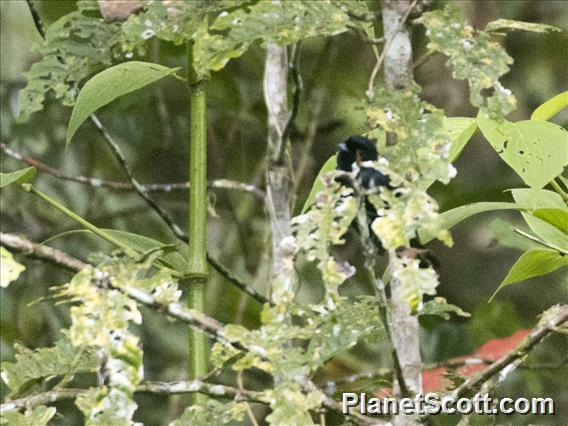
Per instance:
(197,273)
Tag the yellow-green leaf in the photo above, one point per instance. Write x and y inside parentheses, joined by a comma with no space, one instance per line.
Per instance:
(536,150)
(556,217)
(542,199)
(509,24)
(551,107)
(20,176)
(460,129)
(533,263)
(452,217)
(10,270)
(318,186)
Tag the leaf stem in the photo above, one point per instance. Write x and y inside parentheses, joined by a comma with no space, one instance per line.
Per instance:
(86,224)
(539,241)
(559,190)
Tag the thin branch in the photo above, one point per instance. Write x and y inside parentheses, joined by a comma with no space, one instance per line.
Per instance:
(539,241)
(173,388)
(422,60)
(165,216)
(309,142)
(156,388)
(370,88)
(37,19)
(125,186)
(559,190)
(275,83)
(552,321)
(41,252)
(237,281)
(297,95)
(361,33)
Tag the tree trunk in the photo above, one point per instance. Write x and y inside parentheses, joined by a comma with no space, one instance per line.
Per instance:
(278,174)
(404,326)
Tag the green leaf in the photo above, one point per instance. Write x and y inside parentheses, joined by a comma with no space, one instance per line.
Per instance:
(536,150)
(473,56)
(452,217)
(173,260)
(551,107)
(542,199)
(318,185)
(10,270)
(556,217)
(283,23)
(110,84)
(37,416)
(509,24)
(460,129)
(58,360)
(20,176)
(533,263)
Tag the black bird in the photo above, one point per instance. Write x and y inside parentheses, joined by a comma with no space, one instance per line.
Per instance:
(358,149)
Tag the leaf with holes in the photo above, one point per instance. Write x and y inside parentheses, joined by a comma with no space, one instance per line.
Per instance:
(533,263)
(536,150)
(110,84)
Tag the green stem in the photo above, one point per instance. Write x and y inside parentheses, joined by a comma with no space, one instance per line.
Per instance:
(197,273)
(559,190)
(87,225)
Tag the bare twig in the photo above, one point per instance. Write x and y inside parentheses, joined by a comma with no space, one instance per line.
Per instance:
(297,95)
(250,414)
(309,142)
(157,388)
(277,173)
(388,43)
(37,19)
(41,252)
(557,317)
(404,327)
(126,186)
(237,281)
(164,215)
(539,241)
